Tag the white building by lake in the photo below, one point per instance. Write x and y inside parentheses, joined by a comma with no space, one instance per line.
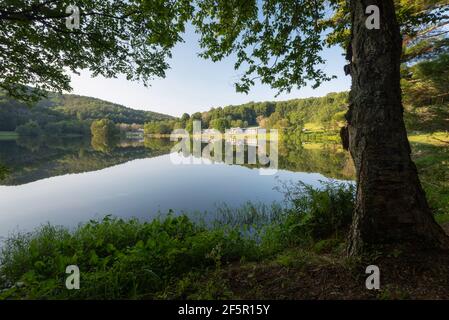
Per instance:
(253,131)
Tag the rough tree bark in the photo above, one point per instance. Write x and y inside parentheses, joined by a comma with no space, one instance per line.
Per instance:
(391,206)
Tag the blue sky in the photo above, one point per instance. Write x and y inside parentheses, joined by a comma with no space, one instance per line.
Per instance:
(193,84)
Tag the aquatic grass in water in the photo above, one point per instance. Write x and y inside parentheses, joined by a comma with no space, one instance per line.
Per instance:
(248,218)
(318,213)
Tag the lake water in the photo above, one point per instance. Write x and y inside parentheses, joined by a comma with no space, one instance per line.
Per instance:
(70,181)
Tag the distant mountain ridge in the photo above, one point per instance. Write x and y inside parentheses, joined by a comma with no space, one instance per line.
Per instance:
(69,107)
(93,108)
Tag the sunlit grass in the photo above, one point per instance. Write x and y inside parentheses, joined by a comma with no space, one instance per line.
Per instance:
(435,138)
(312,126)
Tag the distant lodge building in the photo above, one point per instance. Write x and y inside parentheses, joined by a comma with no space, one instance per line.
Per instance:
(234,131)
(235,136)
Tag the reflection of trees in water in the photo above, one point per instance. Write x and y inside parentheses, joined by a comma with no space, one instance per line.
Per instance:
(103,143)
(35,144)
(295,155)
(29,160)
(31,143)
(328,159)
(32,160)
(158,145)
(247,150)
(4,171)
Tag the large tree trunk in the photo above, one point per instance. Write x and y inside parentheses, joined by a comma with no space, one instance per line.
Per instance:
(391,206)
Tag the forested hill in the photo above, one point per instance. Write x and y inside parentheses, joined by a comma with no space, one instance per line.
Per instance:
(90,108)
(322,112)
(68,107)
(425,87)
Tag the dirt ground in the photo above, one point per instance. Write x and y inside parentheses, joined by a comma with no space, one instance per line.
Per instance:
(422,275)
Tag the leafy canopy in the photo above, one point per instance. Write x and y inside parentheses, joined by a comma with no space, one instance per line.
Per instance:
(129,37)
(278,42)
(423,26)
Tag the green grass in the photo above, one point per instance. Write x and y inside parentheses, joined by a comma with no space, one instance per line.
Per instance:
(8,135)
(432,160)
(442,218)
(435,139)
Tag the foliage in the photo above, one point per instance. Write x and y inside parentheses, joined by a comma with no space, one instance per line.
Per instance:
(104,135)
(30,129)
(427,82)
(320,213)
(118,259)
(133,38)
(221,124)
(4,171)
(67,127)
(432,160)
(88,108)
(68,114)
(426,94)
(424,70)
(278,42)
(103,128)
(422,25)
(158,127)
(291,114)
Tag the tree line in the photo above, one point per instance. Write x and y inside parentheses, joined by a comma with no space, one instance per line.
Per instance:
(292,114)
(63,114)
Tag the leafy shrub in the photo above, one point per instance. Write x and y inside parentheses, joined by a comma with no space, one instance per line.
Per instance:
(319,213)
(104,128)
(4,171)
(31,129)
(116,258)
(74,127)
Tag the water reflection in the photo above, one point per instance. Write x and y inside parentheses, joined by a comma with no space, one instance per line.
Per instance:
(68,181)
(27,160)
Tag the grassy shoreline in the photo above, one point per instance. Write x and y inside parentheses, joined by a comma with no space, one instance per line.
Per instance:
(8,135)
(160,259)
(12,135)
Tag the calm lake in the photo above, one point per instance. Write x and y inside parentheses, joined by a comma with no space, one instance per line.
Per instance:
(69,181)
